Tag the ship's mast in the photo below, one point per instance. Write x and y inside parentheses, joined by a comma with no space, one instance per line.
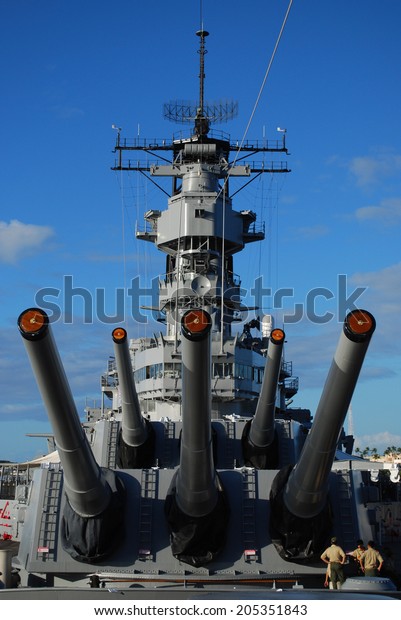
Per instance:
(200,231)
(201,122)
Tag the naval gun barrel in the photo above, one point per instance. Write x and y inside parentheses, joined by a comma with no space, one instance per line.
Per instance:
(136,443)
(87,490)
(134,432)
(306,490)
(196,508)
(196,492)
(262,428)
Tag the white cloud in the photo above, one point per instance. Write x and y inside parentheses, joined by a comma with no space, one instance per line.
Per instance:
(67,112)
(383,298)
(380,441)
(388,212)
(313,232)
(369,170)
(385,281)
(18,240)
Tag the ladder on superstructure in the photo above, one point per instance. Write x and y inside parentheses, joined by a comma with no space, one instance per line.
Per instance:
(251,551)
(47,543)
(149,481)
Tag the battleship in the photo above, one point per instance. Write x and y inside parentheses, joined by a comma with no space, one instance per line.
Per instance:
(194,477)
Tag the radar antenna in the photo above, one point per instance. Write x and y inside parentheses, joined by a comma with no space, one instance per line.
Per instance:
(200,112)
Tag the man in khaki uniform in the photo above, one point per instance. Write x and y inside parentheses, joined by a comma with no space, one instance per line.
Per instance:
(371,561)
(356,554)
(334,556)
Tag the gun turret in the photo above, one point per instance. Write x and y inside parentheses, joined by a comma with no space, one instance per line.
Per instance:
(195,507)
(299,496)
(136,445)
(92,493)
(259,444)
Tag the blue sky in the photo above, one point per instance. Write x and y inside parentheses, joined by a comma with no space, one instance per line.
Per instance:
(72,69)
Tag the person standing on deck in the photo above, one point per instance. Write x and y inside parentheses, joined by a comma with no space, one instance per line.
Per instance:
(357,553)
(334,556)
(371,561)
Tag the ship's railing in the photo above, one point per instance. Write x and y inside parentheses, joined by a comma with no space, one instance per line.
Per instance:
(136,164)
(286,368)
(223,371)
(166,143)
(182,137)
(108,379)
(291,385)
(258,145)
(92,403)
(267,166)
(171,276)
(145,165)
(11,476)
(143,143)
(145,344)
(215,134)
(256,228)
(144,229)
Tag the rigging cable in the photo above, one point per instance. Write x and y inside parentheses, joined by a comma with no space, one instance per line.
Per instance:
(224,187)
(262,86)
(120,180)
(124,249)
(178,268)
